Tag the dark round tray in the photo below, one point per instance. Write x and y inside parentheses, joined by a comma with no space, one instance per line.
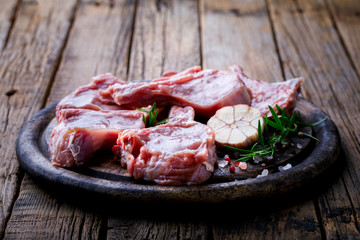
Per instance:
(110,180)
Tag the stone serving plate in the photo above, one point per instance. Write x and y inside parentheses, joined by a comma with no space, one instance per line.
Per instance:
(106,178)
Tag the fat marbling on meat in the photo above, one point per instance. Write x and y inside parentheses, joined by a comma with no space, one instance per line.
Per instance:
(81,132)
(264,94)
(180,152)
(87,97)
(204,90)
(177,113)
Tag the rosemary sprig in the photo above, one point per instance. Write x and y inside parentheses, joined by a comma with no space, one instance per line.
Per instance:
(283,126)
(153,113)
(261,140)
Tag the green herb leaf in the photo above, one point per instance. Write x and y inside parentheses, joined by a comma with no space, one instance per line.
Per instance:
(279,109)
(272,124)
(276,118)
(282,123)
(237,149)
(310,136)
(313,124)
(164,121)
(144,110)
(260,135)
(153,114)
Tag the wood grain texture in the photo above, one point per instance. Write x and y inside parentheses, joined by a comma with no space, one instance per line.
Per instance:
(288,222)
(240,33)
(37,215)
(132,228)
(7,15)
(310,46)
(98,43)
(26,66)
(166,37)
(346,14)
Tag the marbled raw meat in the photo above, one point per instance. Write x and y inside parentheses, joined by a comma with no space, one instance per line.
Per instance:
(82,132)
(264,94)
(180,152)
(204,90)
(87,97)
(177,113)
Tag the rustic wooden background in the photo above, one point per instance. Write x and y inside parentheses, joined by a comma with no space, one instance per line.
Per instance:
(49,47)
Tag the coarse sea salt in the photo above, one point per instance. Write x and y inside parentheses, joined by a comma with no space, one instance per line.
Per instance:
(286,167)
(222,163)
(257,159)
(243,165)
(264,173)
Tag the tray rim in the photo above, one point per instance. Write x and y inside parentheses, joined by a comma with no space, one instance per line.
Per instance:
(33,161)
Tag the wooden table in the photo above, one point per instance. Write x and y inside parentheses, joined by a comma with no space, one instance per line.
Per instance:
(50,47)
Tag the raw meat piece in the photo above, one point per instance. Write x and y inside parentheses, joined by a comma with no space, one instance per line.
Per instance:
(177,113)
(82,132)
(180,152)
(204,90)
(264,94)
(87,97)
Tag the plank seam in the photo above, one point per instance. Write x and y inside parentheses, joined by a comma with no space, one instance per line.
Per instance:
(7,113)
(210,233)
(350,200)
(341,39)
(12,23)
(16,195)
(200,22)
(103,231)
(60,56)
(81,227)
(273,34)
(320,221)
(131,39)
(164,27)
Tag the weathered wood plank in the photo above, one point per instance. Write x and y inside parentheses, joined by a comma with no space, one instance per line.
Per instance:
(26,66)
(7,16)
(240,33)
(310,46)
(338,213)
(106,30)
(38,215)
(132,228)
(248,222)
(166,37)
(346,15)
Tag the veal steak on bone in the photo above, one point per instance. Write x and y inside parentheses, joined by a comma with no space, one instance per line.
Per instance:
(264,94)
(204,90)
(81,132)
(180,152)
(87,97)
